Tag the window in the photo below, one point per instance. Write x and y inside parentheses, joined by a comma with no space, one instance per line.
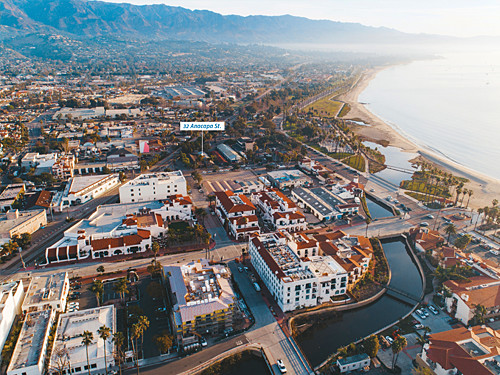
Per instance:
(296,299)
(93,365)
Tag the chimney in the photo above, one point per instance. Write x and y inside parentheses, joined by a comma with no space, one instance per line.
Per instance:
(12,215)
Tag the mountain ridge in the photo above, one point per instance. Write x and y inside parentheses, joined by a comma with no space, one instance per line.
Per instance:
(160,21)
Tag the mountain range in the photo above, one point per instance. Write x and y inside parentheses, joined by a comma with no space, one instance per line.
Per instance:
(149,22)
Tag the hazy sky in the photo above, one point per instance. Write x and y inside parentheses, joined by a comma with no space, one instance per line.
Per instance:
(447,17)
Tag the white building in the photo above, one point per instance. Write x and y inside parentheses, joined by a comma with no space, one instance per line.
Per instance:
(42,162)
(64,167)
(10,194)
(312,167)
(81,189)
(79,113)
(45,292)
(292,281)
(353,363)
(11,299)
(279,210)
(153,187)
(69,337)
(238,213)
(119,229)
(291,178)
(30,352)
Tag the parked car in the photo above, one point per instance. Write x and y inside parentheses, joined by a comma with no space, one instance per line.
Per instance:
(424,224)
(430,216)
(494,252)
(281,366)
(240,269)
(203,342)
(384,342)
(418,326)
(433,310)
(389,339)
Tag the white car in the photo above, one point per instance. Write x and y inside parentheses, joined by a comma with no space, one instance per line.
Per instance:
(433,310)
(281,366)
(494,252)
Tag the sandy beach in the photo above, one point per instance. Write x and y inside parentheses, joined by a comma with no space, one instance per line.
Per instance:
(485,188)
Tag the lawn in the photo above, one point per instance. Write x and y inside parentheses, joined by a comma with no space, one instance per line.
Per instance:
(356,162)
(325,106)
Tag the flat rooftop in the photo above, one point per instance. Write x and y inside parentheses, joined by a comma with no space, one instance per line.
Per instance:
(8,224)
(29,346)
(11,191)
(43,289)
(71,326)
(286,259)
(80,183)
(328,197)
(287,175)
(311,199)
(148,178)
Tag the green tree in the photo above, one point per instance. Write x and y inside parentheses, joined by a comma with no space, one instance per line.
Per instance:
(155,248)
(463,241)
(154,268)
(119,340)
(121,287)
(367,221)
(104,333)
(479,313)
(372,346)
(87,338)
(422,371)
(97,287)
(397,346)
(163,342)
(449,230)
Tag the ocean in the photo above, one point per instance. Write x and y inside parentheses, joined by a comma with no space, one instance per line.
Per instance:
(449,105)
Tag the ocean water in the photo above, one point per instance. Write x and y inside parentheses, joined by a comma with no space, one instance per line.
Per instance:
(449,105)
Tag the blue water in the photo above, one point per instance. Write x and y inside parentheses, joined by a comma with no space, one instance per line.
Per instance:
(448,105)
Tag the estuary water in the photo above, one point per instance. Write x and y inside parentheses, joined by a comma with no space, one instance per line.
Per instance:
(449,105)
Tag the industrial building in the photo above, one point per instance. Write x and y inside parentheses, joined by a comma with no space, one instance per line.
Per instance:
(153,187)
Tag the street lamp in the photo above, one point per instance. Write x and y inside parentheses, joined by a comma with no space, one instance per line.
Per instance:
(20,249)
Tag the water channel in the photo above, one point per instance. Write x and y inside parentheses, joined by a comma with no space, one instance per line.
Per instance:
(377,210)
(323,339)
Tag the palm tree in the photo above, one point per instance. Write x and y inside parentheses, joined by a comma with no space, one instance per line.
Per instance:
(421,340)
(367,221)
(87,338)
(458,191)
(479,212)
(470,192)
(135,333)
(479,314)
(121,287)
(155,248)
(449,230)
(104,333)
(465,192)
(144,324)
(397,346)
(119,340)
(97,287)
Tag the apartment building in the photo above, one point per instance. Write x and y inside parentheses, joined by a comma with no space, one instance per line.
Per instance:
(279,210)
(153,186)
(237,213)
(64,167)
(295,282)
(202,297)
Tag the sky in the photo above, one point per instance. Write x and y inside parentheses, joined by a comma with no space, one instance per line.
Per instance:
(463,18)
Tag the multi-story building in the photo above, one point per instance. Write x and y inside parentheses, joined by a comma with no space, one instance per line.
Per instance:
(121,159)
(238,213)
(30,352)
(465,296)
(353,253)
(312,167)
(47,292)
(153,187)
(69,337)
(279,210)
(82,189)
(293,281)
(472,351)
(11,299)
(64,167)
(15,223)
(203,299)
(323,203)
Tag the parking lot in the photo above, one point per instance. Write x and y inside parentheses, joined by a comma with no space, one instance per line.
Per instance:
(213,182)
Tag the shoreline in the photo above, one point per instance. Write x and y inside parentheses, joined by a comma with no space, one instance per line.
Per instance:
(485,188)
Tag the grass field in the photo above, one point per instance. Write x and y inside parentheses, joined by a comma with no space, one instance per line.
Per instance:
(325,107)
(356,162)
(345,110)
